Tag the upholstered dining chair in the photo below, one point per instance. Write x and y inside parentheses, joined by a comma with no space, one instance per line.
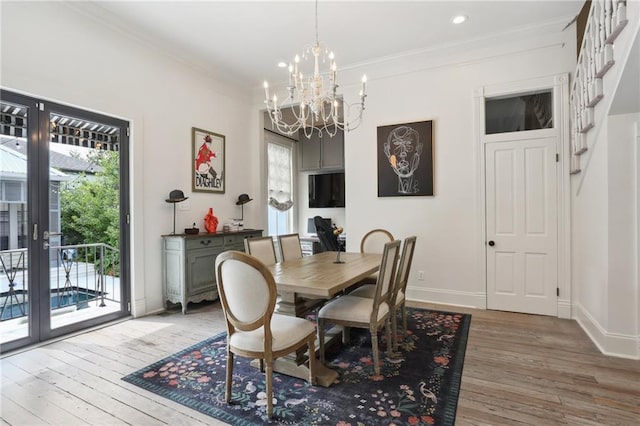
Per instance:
(373,242)
(362,312)
(397,296)
(248,295)
(261,248)
(289,247)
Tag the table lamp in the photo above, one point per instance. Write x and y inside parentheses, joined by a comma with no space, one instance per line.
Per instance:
(175,196)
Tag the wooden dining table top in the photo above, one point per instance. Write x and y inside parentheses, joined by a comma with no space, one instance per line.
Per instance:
(318,275)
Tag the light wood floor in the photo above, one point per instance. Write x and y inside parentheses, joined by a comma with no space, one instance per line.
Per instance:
(519,369)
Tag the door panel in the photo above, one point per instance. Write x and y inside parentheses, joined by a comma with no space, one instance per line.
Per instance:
(521,221)
(75,275)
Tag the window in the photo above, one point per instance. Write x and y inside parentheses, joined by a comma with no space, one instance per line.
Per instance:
(515,113)
(280,184)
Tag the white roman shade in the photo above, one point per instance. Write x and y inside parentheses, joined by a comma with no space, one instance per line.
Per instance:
(280,176)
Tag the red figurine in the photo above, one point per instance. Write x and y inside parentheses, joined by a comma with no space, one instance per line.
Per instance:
(210,221)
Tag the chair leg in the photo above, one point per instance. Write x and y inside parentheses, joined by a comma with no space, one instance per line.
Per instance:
(374,347)
(346,337)
(321,339)
(387,329)
(394,329)
(312,360)
(269,390)
(403,308)
(229,376)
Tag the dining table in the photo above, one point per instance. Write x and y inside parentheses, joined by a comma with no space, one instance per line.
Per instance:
(305,283)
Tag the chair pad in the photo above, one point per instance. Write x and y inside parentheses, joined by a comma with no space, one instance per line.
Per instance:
(369,290)
(364,291)
(286,331)
(351,308)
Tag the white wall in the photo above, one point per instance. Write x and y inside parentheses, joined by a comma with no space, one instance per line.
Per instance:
(605,240)
(53,51)
(448,247)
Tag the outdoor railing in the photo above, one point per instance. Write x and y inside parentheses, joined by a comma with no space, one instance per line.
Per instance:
(80,274)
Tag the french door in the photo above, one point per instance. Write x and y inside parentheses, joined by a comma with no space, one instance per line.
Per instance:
(64,256)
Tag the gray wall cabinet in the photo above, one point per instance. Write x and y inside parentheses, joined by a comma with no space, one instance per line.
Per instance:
(189,264)
(322,153)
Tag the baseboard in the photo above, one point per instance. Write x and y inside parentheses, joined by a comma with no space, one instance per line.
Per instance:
(564,309)
(613,344)
(448,297)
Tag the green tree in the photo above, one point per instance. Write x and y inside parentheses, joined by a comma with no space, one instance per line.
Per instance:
(90,205)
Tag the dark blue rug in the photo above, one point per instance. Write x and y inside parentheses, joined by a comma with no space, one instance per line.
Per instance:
(419,388)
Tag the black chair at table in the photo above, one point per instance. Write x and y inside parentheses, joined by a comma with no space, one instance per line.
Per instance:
(328,240)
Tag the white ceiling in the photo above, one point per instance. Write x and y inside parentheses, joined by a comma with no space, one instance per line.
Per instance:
(245,40)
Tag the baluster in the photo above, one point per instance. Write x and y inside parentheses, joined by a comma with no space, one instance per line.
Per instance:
(608,18)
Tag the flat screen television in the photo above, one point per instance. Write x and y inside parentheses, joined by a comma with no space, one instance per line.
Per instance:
(326,190)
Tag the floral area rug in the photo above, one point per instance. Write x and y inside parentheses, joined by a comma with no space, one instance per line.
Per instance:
(419,386)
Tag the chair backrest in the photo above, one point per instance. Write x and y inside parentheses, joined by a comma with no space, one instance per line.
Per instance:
(404,268)
(328,240)
(247,292)
(386,275)
(289,247)
(261,248)
(374,241)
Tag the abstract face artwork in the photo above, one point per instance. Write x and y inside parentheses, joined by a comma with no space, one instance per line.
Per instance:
(405,161)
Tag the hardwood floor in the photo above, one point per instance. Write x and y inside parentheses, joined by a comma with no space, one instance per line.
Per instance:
(519,369)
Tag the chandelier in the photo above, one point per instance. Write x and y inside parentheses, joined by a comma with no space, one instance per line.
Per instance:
(313,99)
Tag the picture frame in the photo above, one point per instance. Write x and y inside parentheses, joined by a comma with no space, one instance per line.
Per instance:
(208,161)
(405,159)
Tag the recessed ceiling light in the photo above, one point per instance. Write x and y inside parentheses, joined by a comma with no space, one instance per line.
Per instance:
(459,19)
(282,64)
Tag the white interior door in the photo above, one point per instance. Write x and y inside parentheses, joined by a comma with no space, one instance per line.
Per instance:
(521,212)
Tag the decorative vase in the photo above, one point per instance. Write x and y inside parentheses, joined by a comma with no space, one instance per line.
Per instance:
(210,221)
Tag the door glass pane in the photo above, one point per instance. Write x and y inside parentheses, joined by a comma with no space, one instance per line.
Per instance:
(14,309)
(84,220)
(515,113)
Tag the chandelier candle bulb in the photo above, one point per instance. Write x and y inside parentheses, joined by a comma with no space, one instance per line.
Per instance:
(266,90)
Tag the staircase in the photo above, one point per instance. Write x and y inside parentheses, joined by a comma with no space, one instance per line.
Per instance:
(607,19)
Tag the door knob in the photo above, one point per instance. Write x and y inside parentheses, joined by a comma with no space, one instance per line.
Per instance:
(492,243)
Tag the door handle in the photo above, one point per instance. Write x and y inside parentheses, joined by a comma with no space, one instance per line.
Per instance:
(47,235)
(492,243)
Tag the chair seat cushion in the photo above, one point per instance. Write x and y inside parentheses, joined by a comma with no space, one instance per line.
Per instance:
(369,290)
(351,308)
(286,331)
(364,291)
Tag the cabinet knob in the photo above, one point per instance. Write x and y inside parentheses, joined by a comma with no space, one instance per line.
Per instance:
(205,243)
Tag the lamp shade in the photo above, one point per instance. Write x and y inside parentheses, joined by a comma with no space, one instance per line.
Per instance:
(243,199)
(176,196)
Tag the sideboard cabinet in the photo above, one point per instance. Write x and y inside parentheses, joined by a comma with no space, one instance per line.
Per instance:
(188,269)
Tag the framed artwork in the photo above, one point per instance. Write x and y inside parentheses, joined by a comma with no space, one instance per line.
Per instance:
(208,161)
(405,159)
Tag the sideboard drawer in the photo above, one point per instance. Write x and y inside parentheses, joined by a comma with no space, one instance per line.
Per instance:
(204,242)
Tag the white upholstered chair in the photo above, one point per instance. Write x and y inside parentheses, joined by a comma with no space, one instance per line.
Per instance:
(361,312)
(397,296)
(289,247)
(261,248)
(248,296)
(373,242)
